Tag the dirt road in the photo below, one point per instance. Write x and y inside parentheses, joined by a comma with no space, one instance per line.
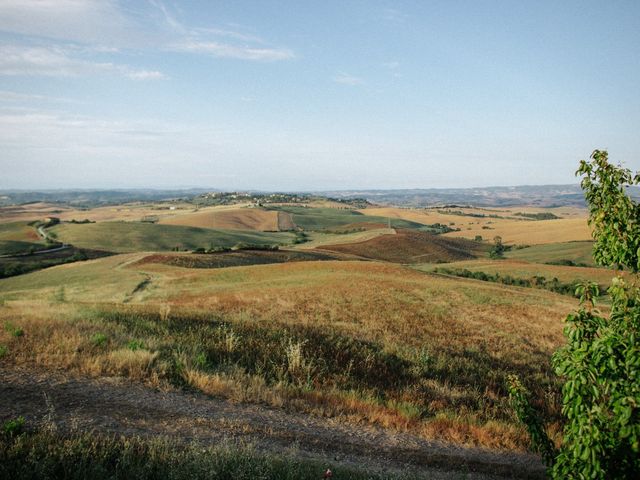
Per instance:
(114,405)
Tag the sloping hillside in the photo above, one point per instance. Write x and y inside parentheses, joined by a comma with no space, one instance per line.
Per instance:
(410,246)
(235,219)
(132,237)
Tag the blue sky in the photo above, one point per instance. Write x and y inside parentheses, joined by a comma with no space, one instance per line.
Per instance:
(301,95)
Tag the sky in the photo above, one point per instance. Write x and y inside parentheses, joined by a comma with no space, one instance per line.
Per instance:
(306,95)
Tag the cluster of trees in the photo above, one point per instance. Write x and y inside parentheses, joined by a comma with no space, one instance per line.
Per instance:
(537,281)
(538,216)
(13,268)
(238,246)
(600,364)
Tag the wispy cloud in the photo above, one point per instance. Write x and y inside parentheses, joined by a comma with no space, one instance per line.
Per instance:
(97,22)
(348,79)
(225,50)
(56,61)
(393,15)
(9,98)
(219,42)
(98,27)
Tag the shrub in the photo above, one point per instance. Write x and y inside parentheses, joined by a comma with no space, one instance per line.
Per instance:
(600,364)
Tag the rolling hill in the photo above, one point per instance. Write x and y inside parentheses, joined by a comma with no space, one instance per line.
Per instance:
(256,219)
(410,246)
(134,237)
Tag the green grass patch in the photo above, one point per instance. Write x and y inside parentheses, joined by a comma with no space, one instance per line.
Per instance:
(567,253)
(124,237)
(331,218)
(99,339)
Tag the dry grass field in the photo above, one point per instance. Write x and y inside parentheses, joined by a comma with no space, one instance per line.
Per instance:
(31,211)
(364,341)
(518,232)
(570,227)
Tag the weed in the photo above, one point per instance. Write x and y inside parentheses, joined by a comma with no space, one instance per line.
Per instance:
(13,427)
(134,345)
(13,330)
(165,312)
(201,360)
(3,350)
(99,339)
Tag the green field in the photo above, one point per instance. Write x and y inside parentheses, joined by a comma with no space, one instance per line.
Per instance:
(125,237)
(18,237)
(327,218)
(580,253)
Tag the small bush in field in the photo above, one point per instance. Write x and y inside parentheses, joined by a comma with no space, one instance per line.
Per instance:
(3,350)
(99,339)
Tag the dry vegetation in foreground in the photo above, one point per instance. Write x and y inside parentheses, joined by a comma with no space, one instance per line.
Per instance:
(361,340)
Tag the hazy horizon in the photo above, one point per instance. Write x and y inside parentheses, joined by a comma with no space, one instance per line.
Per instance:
(285,96)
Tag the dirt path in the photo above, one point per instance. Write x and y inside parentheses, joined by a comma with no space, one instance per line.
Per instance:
(118,406)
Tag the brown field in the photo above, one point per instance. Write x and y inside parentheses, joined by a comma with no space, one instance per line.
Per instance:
(229,219)
(318,239)
(409,246)
(233,259)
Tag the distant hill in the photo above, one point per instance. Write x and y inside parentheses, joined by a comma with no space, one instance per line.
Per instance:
(540,195)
